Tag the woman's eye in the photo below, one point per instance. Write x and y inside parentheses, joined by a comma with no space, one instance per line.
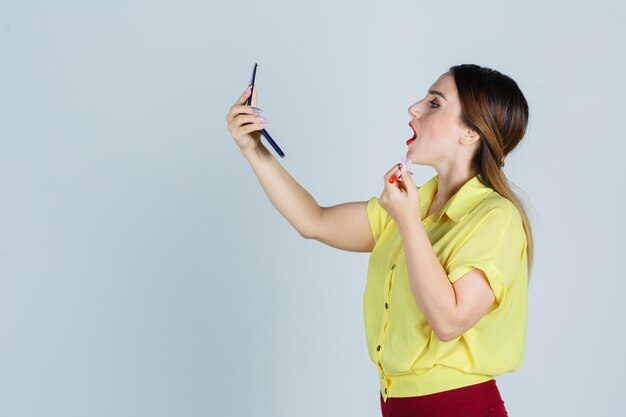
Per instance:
(433,103)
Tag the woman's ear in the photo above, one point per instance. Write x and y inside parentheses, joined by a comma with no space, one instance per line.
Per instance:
(470,136)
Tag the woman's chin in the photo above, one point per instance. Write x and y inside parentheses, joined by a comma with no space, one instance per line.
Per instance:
(414,160)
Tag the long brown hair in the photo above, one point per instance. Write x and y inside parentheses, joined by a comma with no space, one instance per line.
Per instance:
(493,105)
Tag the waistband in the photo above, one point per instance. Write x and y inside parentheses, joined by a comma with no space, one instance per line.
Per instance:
(428,381)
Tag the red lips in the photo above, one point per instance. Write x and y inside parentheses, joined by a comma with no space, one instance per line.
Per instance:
(408,142)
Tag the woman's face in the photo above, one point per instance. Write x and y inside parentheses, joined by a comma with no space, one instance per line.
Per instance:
(436,123)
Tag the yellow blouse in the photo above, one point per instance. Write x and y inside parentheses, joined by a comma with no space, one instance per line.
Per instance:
(480,229)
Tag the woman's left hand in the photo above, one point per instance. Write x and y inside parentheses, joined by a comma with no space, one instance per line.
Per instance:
(401,199)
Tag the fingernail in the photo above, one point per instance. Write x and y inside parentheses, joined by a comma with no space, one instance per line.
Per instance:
(264,124)
(261,118)
(256,109)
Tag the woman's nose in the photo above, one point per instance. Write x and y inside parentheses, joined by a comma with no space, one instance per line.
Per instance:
(413,110)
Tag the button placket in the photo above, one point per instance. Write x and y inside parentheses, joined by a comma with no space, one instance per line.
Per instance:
(379,347)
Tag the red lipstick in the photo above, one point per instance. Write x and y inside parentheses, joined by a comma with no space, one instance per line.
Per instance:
(396,176)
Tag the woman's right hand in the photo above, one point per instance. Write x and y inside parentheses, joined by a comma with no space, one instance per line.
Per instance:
(243,122)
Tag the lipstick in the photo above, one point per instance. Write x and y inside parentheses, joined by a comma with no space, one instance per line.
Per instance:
(397,174)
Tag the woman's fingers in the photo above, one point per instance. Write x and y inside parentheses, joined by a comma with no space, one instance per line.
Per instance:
(244,119)
(243,123)
(241,108)
(250,127)
(238,109)
(254,96)
(393,178)
(394,171)
(244,96)
(401,184)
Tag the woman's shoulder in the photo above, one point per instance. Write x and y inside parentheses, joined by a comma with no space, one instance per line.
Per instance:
(496,205)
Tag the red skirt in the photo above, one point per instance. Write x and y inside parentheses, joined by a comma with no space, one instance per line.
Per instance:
(478,400)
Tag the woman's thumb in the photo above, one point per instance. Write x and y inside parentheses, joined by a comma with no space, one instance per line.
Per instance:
(254,96)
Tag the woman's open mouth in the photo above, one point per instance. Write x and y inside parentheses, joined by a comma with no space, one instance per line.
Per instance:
(408,142)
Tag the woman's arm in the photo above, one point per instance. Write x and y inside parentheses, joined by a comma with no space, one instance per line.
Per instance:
(344,226)
(450,308)
(291,200)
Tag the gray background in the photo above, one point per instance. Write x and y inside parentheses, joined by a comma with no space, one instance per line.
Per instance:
(143,271)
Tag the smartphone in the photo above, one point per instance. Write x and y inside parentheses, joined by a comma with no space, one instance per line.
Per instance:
(264,132)
(249,101)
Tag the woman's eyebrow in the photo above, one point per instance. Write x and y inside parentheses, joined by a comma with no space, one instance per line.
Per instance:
(438,93)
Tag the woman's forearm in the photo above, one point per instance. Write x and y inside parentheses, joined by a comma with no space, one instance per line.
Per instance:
(291,200)
(431,289)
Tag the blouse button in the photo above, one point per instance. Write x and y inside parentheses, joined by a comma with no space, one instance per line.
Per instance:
(378,347)
(393,267)
(386,305)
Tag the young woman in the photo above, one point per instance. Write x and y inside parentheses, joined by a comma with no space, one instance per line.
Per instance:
(446,293)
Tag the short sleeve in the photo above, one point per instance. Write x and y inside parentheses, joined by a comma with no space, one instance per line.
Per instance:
(378,217)
(495,245)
